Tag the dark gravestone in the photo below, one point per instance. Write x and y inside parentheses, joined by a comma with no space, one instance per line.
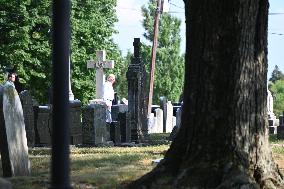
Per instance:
(115,135)
(28,102)
(281,120)
(116,109)
(125,130)
(43,125)
(163,104)
(137,101)
(94,124)
(75,122)
(280,132)
(14,149)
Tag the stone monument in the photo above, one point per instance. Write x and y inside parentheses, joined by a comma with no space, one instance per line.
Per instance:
(137,100)
(100,63)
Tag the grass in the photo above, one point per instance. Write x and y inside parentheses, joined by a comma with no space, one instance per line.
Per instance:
(107,167)
(95,167)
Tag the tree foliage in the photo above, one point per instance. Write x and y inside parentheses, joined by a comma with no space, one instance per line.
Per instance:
(277,89)
(25,42)
(276,75)
(25,28)
(169,71)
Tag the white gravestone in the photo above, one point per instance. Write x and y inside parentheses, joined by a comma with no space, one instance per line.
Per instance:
(15,133)
(152,126)
(169,118)
(159,116)
(100,63)
(270,106)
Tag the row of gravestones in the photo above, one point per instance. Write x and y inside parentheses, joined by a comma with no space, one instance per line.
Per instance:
(276,126)
(164,118)
(87,123)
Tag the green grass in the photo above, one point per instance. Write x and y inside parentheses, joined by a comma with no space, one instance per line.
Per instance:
(104,167)
(92,167)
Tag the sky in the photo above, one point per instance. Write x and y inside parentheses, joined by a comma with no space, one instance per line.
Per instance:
(130,27)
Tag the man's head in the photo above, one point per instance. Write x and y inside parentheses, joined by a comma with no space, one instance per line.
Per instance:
(12,77)
(111,78)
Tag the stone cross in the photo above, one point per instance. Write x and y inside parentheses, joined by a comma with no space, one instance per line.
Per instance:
(136,45)
(100,63)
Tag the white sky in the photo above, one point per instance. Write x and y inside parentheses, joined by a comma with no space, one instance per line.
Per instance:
(130,27)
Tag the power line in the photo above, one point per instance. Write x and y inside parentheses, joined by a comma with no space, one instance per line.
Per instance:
(273,33)
(176,5)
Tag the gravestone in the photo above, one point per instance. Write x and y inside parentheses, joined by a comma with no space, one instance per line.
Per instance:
(125,130)
(163,105)
(115,134)
(159,120)
(137,100)
(75,122)
(169,118)
(178,117)
(270,106)
(43,125)
(152,123)
(27,103)
(116,109)
(13,140)
(94,124)
(100,63)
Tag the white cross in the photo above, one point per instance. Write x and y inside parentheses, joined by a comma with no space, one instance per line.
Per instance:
(100,63)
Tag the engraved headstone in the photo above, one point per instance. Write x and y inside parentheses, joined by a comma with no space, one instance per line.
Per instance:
(75,122)
(94,124)
(27,104)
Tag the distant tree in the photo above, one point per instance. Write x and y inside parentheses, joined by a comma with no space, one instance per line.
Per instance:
(25,28)
(169,72)
(223,139)
(276,75)
(277,90)
(92,29)
(25,43)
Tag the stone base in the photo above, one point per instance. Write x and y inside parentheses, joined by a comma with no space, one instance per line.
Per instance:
(272,129)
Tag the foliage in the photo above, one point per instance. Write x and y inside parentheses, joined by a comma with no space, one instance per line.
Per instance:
(92,29)
(25,28)
(276,75)
(169,71)
(277,90)
(25,42)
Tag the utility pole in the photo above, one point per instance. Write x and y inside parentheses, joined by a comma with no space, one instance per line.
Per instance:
(153,55)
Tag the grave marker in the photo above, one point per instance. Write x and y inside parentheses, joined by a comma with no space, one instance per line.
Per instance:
(100,63)
(137,106)
(13,140)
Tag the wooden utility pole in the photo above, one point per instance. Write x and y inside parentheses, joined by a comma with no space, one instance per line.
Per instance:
(153,55)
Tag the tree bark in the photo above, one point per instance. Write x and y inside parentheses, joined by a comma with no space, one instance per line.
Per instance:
(223,139)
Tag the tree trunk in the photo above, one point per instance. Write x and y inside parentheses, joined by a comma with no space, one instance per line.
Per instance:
(223,139)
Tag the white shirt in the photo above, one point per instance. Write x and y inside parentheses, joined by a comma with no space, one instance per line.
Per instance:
(108,93)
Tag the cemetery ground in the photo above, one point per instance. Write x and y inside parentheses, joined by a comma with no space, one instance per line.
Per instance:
(108,167)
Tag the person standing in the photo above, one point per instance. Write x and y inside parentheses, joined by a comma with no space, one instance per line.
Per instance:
(11,79)
(108,95)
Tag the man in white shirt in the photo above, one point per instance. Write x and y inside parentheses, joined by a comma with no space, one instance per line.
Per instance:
(109,95)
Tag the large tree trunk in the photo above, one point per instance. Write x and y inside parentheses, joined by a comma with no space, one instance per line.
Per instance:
(223,139)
